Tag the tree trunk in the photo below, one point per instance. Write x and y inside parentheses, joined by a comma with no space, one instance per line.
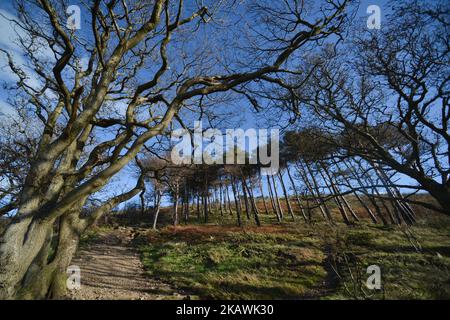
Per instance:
(230,209)
(403,214)
(355,193)
(333,189)
(157,206)
(277,199)
(238,212)
(374,190)
(272,200)
(286,196)
(244,192)
(186,204)
(253,203)
(314,189)
(440,193)
(21,242)
(297,197)
(198,207)
(175,207)
(405,208)
(266,210)
(50,281)
(221,200)
(205,208)
(352,212)
(141,197)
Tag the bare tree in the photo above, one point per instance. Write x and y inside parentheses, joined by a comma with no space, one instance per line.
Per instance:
(383,97)
(75,102)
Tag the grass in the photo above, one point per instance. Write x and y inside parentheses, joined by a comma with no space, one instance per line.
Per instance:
(228,263)
(293,260)
(414,262)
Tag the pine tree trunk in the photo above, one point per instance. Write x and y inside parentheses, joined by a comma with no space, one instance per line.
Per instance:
(244,192)
(266,210)
(404,211)
(355,193)
(272,200)
(221,200)
(337,198)
(230,209)
(302,210)
(316,193)
(238,212)
(277,199)
(372,199)
(253,204)
(205,208)
(175,207)
(286,196)
(141,197)
(157,206)
(352,212)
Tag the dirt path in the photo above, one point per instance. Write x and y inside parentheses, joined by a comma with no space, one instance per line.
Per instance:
(111,269)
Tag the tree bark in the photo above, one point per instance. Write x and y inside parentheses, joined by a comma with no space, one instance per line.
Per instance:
(266,210)
(157,206)
(314,189)
(230,209)
(236,200)
(333,189)
(286,196)
(253,204)
(221,200)
(277,199)
(272,200)
(244,192)
(302,210)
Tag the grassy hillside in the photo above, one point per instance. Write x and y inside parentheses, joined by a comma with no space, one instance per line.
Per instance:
(295,260)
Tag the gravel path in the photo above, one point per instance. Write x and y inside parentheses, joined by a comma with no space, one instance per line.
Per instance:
(111,270)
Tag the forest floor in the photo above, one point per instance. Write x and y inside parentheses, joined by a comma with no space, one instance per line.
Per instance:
(289,260)
(111,269)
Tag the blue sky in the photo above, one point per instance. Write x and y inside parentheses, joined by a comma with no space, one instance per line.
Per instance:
(242,109)
(7,35)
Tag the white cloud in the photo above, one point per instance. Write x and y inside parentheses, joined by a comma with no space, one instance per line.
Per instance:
(9,33)
(7,113)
